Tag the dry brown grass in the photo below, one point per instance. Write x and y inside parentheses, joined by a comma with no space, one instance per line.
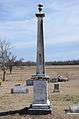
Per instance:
(68,95)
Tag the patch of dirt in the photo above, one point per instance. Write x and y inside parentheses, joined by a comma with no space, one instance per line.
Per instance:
(68,95)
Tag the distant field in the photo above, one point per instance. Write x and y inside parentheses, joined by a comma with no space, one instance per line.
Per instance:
(68,95)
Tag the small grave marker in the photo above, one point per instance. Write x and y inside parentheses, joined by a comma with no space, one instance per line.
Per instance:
(19,89)
(29,82)
(56,87)
(72,109)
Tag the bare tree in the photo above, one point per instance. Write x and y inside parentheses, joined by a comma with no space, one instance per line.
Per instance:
(4,56)
(11,62)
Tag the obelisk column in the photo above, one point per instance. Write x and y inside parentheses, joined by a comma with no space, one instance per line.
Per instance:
(40,103)
(40,43)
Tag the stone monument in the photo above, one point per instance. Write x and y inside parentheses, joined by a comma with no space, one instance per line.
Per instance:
(18,88)
(56,87)
(40,103)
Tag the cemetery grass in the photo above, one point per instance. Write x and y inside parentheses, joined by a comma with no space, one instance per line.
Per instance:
(68,95)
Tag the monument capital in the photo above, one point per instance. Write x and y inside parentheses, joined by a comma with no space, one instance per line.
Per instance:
(40,7)
(40,14)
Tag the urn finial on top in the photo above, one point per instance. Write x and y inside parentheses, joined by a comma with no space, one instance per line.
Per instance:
(40,14)
(40,7)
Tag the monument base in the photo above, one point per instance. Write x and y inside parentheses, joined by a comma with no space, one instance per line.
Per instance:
(40,104)
(39,109)
(40,76)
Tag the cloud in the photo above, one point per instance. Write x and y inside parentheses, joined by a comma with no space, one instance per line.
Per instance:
(17,25)
(61,25)
(23,45)
(62,51)
(11,10)
(18,30)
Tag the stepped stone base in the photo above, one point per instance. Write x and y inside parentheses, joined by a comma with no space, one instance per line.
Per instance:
(40,76)
(39,109)
(40,104)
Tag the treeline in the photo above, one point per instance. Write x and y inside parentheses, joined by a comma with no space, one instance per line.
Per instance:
(30,63)
(24,63)
(72,62)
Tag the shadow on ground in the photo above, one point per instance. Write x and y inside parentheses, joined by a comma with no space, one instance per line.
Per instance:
(20,112)
(25,111)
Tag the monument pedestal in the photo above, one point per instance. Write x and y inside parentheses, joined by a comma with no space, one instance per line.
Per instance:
(41,104)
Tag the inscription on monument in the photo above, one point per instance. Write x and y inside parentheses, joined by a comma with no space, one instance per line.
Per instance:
(40,92)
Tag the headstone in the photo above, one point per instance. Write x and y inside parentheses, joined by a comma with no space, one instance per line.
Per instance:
(29,82)
(56,87)
(72,109)
(19,89)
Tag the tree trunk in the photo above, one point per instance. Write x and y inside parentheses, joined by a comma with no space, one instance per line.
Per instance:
(10,69)
(4,72)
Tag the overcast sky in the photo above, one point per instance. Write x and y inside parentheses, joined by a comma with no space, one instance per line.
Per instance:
(61,28)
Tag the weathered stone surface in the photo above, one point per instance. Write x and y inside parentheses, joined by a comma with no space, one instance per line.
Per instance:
(40,92)
(40,104)
(72,109)
(56,87)
(29,82)
(19,89)
(39,110)
(40,45)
